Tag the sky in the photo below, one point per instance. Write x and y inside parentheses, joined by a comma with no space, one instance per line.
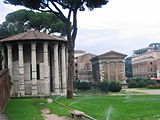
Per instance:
(121,25)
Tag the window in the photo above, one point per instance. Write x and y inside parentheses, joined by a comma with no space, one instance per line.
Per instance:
(151,63)
(76,64)
(151,69)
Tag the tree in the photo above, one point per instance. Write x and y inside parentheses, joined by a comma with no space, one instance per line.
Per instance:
(70,21)
(22,20)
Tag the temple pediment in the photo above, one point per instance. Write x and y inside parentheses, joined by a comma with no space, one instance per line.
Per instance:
(112,54)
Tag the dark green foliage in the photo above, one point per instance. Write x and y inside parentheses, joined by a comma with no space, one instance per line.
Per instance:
(22,20)
(115,86)
(153,86)
(74,4)
(132,84)
(103,86)
(140,82)
(83,85)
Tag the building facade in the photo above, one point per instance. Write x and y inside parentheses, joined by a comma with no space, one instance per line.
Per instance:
(83,67)
(146,65)
(109,67)
(36,62)
(146,62)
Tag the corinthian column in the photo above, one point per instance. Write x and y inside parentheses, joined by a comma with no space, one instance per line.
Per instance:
(34,68)
(21,70)
(56,69)
(64,73)
(46,69)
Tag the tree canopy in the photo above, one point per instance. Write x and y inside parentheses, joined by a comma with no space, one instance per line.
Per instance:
(70,20)
(22,20)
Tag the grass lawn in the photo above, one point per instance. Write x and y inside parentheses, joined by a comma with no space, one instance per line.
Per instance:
(127,107)
(130,107)
(25,109)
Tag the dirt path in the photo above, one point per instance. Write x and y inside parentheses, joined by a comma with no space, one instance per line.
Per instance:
(47,116)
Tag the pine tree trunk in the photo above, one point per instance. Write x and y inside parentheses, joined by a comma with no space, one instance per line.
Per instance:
(70,63)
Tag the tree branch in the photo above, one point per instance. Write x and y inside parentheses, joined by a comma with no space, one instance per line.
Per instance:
(65,6)
(59,11)
(54,12)
(69,14)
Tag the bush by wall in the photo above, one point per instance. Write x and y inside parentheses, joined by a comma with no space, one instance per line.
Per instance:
(103,86)
(112,86)
(83,85)
(140,82)
(153,86)
(115,86)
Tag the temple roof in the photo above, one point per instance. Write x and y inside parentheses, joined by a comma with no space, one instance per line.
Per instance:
(32,35)
(110,54)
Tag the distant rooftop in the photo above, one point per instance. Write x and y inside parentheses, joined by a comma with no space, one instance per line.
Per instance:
(151,47)
(79,51)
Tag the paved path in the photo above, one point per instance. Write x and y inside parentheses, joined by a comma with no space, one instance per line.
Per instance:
(3,117)
(152,92)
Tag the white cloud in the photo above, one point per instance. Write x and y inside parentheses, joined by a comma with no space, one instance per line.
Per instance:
(134,24)
(7,8)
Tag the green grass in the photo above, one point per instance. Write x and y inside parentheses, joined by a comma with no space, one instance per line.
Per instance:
(142,107)
(126,107)
(25,109)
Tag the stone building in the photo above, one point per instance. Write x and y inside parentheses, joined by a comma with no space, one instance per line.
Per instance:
(36,62)
(109,67)
(147,65)
(83,66)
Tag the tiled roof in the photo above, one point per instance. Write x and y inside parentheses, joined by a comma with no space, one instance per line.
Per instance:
(79,51)
(110,54)
(32,35)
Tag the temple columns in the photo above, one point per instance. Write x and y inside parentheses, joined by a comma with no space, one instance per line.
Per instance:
(34,68)
(9,50)
(116,70)
(108,71)
(56,70)
(3,58)
(46,69)
(21,70)
(64,73)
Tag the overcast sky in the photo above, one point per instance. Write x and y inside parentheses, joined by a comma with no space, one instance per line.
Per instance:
(121,25)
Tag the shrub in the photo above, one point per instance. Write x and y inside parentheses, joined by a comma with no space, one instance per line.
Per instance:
(140,82)
(115,86)
(153,86)
(83,85)
(132,84)
(103,86)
